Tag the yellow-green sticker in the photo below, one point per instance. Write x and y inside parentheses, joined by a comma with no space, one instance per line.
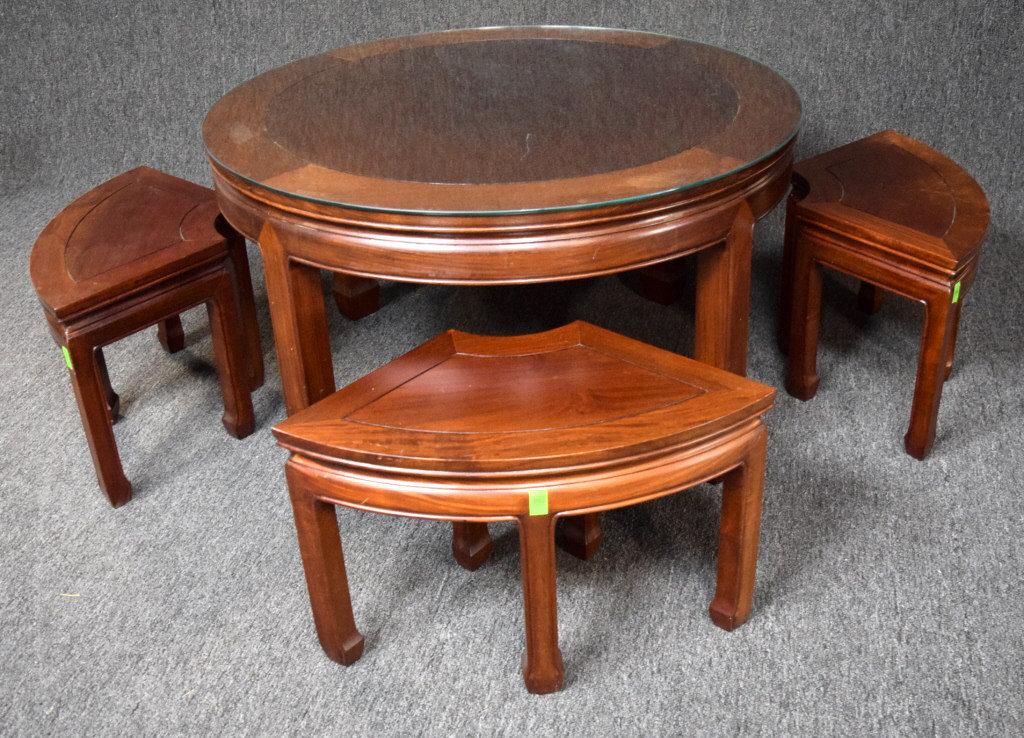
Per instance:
(67,357)
(538,502)
(956,292)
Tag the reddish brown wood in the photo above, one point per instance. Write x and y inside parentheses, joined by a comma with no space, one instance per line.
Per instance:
(471,545)
(738,538)
(470,428)
(901,217)
(308,207)
(135,252)
(355,297)
(113,401)
(171,335)
(661,283)
(580,535)
(870,298)
(324,564)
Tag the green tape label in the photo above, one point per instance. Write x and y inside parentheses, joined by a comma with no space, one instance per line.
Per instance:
(538,502)
(67,357)
(956,292)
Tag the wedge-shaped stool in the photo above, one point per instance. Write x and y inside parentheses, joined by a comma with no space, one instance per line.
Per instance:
(134,252)
(903,218)
(532,428)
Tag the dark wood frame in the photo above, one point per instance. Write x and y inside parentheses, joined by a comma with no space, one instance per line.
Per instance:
(719,436)
(938,271)
(202,261)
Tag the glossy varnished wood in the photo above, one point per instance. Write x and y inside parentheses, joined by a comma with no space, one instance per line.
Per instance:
(465,428)
(135,252)
(701,200)
(903,218)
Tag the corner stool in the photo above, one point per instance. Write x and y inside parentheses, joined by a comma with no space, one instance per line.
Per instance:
(475,429)
(903,218)
(134,252)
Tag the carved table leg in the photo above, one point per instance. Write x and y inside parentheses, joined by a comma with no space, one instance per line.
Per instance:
(356,297)
(91,393)
(543,671)
(723,297)
(113,401)
(232,364)
(580,535)
(247,310)
(171,335)
(931,372)
(870,298)
(786,278)
(802,372)
(738,539)
(299,318)
(951,349)
(324,564)
(471,544)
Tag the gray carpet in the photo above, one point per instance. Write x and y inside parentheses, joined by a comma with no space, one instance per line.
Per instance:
(889,597)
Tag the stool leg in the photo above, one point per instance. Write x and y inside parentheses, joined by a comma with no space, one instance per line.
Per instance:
(91,393)
(356,297)
(247,310)
(543,671)
(951,349)
(931,372)
(580,535)
(870,298)
(737,538)
(232,367)
(805,318)
(171,335)
(113,401)
(471,544)
(324,564)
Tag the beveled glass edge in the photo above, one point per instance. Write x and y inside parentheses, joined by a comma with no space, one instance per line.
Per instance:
(550,208)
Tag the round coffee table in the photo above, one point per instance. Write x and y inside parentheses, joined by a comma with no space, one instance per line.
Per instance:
(501,156)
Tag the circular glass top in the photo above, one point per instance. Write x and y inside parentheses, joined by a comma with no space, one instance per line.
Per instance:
(502,120)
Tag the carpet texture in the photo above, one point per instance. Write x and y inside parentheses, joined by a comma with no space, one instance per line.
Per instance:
(889,596)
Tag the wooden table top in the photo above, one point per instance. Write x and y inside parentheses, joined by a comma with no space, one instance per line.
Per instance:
(502,120)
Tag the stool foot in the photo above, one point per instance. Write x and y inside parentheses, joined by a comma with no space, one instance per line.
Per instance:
(471,544)
(238,428)
(580,535)
(356,297)
(917,448)
(738,538)
(803,388)
(543,670)
(87,379)
(171,335)
(316,526)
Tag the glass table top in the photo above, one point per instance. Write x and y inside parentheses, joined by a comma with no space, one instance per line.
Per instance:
(502,120)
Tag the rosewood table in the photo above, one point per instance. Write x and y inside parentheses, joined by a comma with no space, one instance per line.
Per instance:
(501,156)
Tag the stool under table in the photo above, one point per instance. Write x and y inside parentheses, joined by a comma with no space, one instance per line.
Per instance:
(134,252)
(474,429)
(903,218)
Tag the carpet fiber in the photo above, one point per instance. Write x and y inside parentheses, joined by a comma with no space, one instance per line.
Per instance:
(889,596)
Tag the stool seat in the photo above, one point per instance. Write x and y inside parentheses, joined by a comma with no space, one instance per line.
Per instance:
(122,236)
(572,397)
(909,202)
(532,429)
